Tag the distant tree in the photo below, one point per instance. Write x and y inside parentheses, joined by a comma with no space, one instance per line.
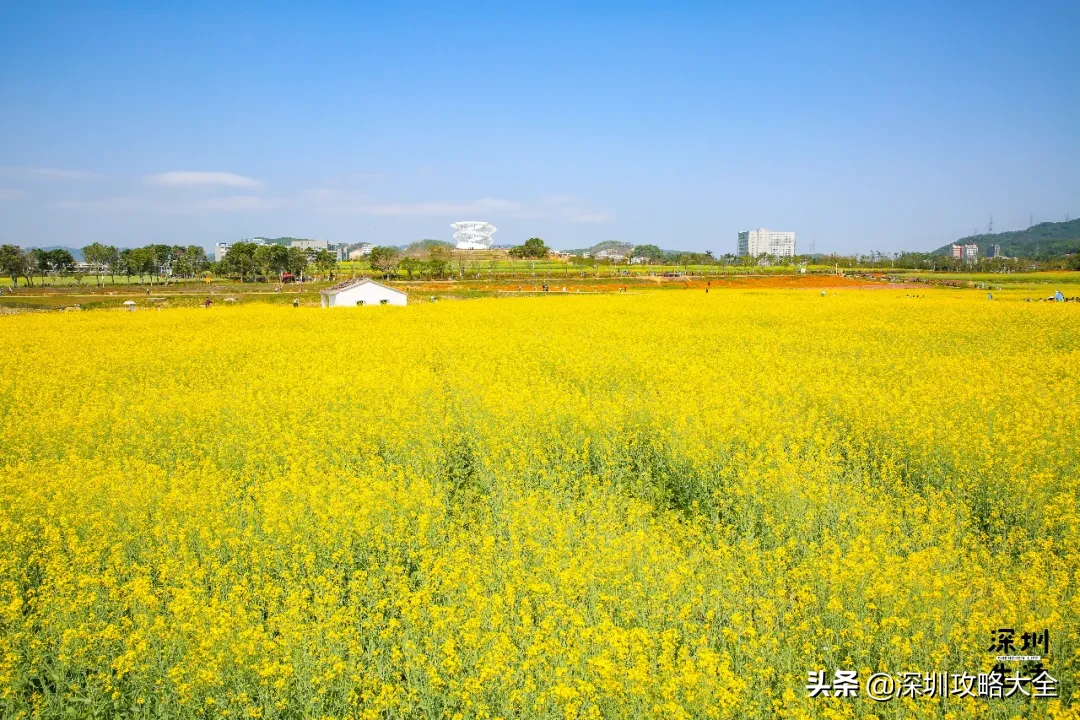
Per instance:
(240,260)
(195,256)
(410,265)
(14,263)
(384,259)
(40,263)
(271,259)
(438,262)
(124,264)
(143,261)
(112,261)
(461,257)
(279,259)
(159,259)
(533,248)
(324,261)
(652,252)
(296,262)
(96,256)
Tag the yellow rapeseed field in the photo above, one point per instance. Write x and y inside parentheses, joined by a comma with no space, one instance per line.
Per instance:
(672,505)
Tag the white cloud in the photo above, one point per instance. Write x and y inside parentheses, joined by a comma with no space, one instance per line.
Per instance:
(186,178)
(11,193)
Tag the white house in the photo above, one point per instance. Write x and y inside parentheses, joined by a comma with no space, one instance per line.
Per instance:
(362,291)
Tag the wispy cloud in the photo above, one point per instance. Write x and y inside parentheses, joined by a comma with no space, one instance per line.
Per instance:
(11,193)
(188,178)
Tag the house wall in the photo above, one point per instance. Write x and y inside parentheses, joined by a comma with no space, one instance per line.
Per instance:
(370,293)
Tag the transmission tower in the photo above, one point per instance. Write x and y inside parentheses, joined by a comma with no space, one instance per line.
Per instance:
(1031,220)
(990,227)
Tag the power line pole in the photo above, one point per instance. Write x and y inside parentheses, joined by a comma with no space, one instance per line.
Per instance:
(990,227)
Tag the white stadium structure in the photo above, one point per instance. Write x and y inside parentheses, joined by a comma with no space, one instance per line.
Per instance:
(473,235)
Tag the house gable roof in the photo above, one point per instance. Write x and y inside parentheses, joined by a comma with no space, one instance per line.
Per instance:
(357,282)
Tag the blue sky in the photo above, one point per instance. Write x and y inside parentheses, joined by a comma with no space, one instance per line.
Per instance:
(861,126)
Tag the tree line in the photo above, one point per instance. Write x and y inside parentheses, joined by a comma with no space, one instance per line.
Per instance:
(249,261)
(161,262)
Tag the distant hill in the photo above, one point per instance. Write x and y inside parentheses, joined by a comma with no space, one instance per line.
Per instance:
(75,252)
(611,245)
(1048,239)
(420,247)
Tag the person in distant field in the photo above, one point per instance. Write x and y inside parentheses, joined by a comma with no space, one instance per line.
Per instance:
(989,296)
(296,302)
(706,290)
(208,302)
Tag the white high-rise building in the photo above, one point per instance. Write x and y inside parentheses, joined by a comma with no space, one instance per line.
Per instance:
(220,250)
(766,242)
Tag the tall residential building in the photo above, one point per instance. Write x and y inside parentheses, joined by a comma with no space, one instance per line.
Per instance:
(993,251)
(971,253)
(219,251)
(338,250)
(310,244)
(766,242)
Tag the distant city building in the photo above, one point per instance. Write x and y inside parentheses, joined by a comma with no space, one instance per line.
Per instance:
(971,253)
(611,254)
(220,250)
(310,244)
(473,235)
(956,251)
(766,242)
(360,252)
(993,251)
(316,245)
